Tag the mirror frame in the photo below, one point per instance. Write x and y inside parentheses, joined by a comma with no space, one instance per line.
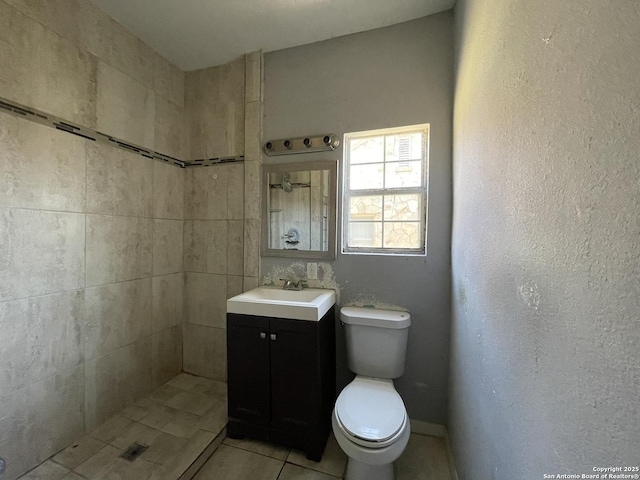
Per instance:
(332,166)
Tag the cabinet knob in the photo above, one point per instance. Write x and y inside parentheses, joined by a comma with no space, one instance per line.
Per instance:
(263,335)
(273,336)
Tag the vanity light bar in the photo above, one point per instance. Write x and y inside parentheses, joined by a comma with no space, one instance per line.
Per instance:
(289,146)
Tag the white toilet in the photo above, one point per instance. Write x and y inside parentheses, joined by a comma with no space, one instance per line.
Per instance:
(369,419)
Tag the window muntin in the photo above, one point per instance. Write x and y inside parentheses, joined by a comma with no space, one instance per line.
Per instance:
(385,191)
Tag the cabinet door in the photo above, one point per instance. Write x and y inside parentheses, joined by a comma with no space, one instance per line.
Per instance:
(248,368)
(295,393)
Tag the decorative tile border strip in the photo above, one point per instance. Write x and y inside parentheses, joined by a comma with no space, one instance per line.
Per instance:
(59,124)
(207,162)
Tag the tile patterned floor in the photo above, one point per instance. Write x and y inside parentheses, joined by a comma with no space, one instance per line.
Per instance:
(425,458)
(180,419)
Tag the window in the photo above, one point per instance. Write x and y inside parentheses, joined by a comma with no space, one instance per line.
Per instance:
(385,191)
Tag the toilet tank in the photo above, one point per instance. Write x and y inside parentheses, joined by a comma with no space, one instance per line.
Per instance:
(376,341)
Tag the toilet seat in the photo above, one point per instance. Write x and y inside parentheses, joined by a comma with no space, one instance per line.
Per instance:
(371,412)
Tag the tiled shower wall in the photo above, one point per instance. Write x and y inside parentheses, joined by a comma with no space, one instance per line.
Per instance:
(91,282)
(215,229)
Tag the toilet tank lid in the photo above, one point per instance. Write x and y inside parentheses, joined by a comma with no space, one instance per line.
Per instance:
(374,317)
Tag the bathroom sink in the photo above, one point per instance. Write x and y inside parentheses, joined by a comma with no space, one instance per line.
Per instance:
(307,304)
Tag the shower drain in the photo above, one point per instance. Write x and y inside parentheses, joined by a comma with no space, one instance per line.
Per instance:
(134,451)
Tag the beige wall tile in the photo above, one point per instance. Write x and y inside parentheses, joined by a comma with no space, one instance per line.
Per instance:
(251,247)
(235,250)
(118,248)
(234,286)
(169,136)
(223,130)
(168,191)
(252,190)
(117,315)
(249,283)
(118,182)
(92,30)
(206,193)
(116,379)
(64,18)
(205,351)
(41,252)
(205,246)
(214,100)
(206,299)
(40,336)
(40,167)
(125,108)
(41,419)
(253,74)
(43,70)
(167,246)
(112,43)
(235,191)
(167,301)
(166,357)
(215,193)
(169,81)
(253,131)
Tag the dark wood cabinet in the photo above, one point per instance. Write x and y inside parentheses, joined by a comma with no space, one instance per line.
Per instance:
(281,380)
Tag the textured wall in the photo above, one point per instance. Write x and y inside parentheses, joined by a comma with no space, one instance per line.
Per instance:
(394,76)
(90,236)
(545,374)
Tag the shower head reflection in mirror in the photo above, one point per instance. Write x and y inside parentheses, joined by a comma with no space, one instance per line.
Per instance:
(300,198)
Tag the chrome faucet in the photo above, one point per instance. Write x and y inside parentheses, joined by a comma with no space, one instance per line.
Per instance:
(290,284)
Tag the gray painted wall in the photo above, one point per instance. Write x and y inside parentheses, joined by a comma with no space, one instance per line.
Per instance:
(394,76)
(545,368)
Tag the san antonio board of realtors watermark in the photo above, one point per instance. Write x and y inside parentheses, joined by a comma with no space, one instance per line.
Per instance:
(600,473)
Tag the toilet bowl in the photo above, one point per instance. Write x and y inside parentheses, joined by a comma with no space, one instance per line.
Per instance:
(369,419)
(371,426)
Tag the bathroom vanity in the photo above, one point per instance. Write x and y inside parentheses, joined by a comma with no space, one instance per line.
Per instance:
(281,371)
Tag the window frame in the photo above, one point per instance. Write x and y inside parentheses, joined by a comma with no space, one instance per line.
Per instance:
(422,190)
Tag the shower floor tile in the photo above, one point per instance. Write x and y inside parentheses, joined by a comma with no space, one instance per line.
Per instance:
(177,421)
(186,417)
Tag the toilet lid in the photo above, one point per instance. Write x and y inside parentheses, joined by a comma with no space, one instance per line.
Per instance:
(371,409)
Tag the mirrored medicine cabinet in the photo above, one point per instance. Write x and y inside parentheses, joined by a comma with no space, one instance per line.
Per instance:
(300,209)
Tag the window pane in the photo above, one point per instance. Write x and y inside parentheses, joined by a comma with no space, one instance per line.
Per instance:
(366,208)
(403,174)
(402,207)
(365,176)
(365,234)
(366,150)
(402,235)
(404,146)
